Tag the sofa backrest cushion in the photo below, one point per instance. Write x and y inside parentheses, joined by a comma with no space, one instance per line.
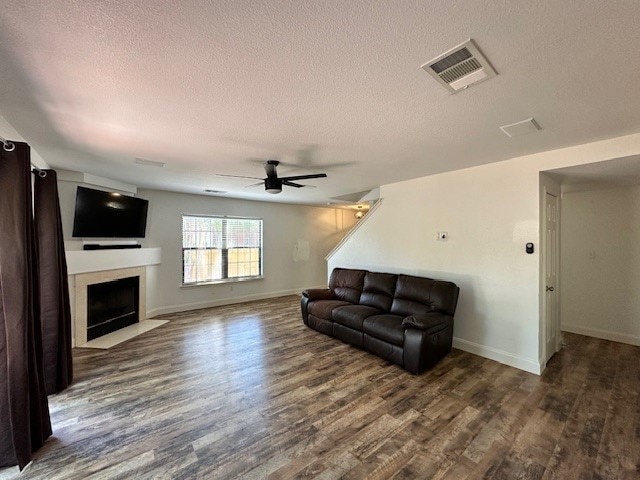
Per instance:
(347,284)
(422,295)
(378,290)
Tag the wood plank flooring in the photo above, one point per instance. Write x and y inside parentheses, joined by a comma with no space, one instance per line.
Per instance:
(248,391)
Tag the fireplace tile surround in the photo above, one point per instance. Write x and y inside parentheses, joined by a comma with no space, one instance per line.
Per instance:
(89,267)
(83,280)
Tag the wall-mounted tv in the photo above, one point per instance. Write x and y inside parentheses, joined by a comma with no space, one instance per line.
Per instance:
(109,215)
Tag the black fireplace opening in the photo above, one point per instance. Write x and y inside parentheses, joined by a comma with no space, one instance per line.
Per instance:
(112,306)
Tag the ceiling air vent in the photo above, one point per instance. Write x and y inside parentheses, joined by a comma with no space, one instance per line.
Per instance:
(460,67)
(149,163)
(523,127)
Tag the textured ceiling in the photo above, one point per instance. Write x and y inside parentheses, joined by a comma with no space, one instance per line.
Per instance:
(335,86)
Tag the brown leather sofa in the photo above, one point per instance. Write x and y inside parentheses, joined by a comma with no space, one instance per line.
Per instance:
(405,319)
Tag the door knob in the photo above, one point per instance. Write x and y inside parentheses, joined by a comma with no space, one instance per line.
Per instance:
(549,289)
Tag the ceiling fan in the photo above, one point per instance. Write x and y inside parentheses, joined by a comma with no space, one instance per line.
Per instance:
(273,183)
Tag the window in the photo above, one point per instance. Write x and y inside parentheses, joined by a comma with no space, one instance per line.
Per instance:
(220,249)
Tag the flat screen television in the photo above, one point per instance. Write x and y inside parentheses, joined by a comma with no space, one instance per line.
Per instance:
(109,215)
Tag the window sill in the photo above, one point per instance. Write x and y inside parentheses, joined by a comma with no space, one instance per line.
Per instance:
(224,280)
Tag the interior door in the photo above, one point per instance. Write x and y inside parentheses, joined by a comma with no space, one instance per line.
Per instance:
(551,265)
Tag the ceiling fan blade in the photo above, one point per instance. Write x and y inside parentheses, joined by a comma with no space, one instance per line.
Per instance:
(304,177)
(291,184)
(236,176)
(272,183)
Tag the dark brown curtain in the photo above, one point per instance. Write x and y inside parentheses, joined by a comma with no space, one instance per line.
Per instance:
(55,313)
(24,412)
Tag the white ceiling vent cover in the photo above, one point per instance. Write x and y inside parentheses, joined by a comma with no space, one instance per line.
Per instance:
(460,67)
(148,163)
(523,127)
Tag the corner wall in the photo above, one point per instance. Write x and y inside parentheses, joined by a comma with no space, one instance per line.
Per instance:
(489,212)
(601,264)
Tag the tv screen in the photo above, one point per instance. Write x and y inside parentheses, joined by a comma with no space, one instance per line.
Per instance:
(106,214)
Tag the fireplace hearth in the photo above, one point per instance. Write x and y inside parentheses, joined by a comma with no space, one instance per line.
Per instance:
(112,305)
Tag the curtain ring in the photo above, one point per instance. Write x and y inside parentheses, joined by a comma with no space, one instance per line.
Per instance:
(9,147)
(42,173)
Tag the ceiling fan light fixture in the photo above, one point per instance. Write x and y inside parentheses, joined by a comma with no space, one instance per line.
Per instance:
(273,185)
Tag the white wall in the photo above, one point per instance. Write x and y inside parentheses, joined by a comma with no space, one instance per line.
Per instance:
(601,263)
(490,212)
(488,221)
(287,268)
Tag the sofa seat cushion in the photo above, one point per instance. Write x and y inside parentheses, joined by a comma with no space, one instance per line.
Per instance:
(353,316)
(387,327)
(323,308)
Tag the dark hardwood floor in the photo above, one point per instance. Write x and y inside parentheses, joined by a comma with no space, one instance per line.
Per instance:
(249,391)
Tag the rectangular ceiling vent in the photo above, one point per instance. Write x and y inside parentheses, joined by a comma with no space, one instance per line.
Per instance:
(460,67)
(148,163)
(523,127)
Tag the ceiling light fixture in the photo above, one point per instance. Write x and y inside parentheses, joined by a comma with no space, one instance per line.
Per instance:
(272,184)
(359,213)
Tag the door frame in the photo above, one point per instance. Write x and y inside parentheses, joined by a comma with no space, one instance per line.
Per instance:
(548,186)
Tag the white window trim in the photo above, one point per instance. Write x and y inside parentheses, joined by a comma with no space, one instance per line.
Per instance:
(221,280)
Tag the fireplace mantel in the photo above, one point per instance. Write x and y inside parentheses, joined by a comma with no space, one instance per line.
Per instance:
(87,261)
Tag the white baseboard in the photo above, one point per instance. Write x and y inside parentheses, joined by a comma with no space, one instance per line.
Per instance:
(501,356)
(604,334)
(154,312)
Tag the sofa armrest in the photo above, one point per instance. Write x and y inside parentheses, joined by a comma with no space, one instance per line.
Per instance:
(318,294)
(426,321)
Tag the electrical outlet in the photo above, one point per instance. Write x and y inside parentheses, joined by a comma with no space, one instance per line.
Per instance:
(442,236)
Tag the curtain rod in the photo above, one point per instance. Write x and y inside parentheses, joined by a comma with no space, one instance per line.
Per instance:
(7,145)
(10,147)
(41,173)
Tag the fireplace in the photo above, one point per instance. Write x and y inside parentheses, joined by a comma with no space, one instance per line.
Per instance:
(92,267)
(112,305)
